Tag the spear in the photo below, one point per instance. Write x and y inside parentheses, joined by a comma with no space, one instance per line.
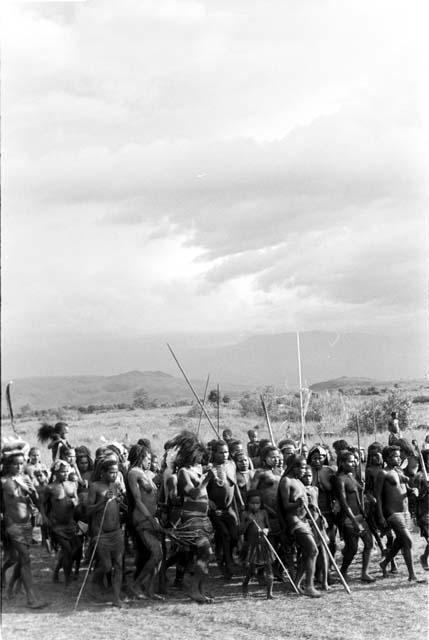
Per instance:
(267,418)
(202,407)
(218,410)
(204,402)
(9,406)
(300,390)
(326,547)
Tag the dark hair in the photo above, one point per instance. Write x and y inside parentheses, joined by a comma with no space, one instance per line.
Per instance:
(227,433)
(145,442)
(388,451)
(294,461)
(136,455)
(342,457)
(405,445)
(266,452)
(253,493)
(340,445)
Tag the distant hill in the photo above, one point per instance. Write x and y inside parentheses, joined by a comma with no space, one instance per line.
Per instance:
(359,383)
(51,392)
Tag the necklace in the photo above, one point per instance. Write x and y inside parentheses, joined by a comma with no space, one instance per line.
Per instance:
(219,474)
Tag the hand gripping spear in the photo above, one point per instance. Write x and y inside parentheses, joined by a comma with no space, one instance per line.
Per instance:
(93,553)
(285,571)
(202,407)
(9,406)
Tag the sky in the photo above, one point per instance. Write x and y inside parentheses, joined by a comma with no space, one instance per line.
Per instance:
(230,167)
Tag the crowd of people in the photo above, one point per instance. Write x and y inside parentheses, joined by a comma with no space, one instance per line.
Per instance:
(272,512)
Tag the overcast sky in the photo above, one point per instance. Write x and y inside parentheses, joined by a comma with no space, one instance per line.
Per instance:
(222,166)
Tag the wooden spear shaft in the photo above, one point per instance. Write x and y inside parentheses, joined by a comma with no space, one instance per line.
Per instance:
(202,407)
(326,546)
(300,390)
(267,418)
(204,402)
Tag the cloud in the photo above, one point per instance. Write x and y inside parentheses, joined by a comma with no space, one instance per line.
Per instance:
(228,165)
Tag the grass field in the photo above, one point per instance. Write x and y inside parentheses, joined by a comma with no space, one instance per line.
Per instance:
(389,608)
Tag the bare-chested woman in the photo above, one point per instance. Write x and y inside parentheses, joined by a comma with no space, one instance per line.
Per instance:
(59,501)
(18,495)
(194,530)
(145,504)
(353,523)
(392,506)
(103,507)
(291,499)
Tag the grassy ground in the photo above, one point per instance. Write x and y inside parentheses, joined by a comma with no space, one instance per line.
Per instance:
(389,608)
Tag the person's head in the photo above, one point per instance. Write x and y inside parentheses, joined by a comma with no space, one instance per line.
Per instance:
(139,456)
(405,448)
(220,452)
(226,435)
(83,463)
(234,447)
(13,464)
(304,449)
(307,477)
(392,456)
(242,462)
(154,463)
(270,458)
(61,429)
(263,443)
(253,501)
(145,442)
(69,455)
(252,435)
(287,448)
(340,445)
(296,466)
(34,455)
(346,462)
(185,450)
(60,470)
(317,457)
(109,470)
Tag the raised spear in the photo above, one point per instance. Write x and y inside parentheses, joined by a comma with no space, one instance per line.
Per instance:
(202,407)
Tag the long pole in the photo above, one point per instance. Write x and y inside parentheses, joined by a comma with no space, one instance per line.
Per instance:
(286,572)
(204,402)
(202,407)
(300,391)
(93,554)
(9,406)
(328,551)
(267,418)
(218,410)
(358,443)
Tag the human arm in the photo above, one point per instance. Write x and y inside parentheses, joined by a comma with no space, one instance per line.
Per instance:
(342,497)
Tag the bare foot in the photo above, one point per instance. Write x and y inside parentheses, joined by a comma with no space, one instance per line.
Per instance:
(424,562)
(118,603)
(366,578)
(311,592)
(383,568)
(37,605)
